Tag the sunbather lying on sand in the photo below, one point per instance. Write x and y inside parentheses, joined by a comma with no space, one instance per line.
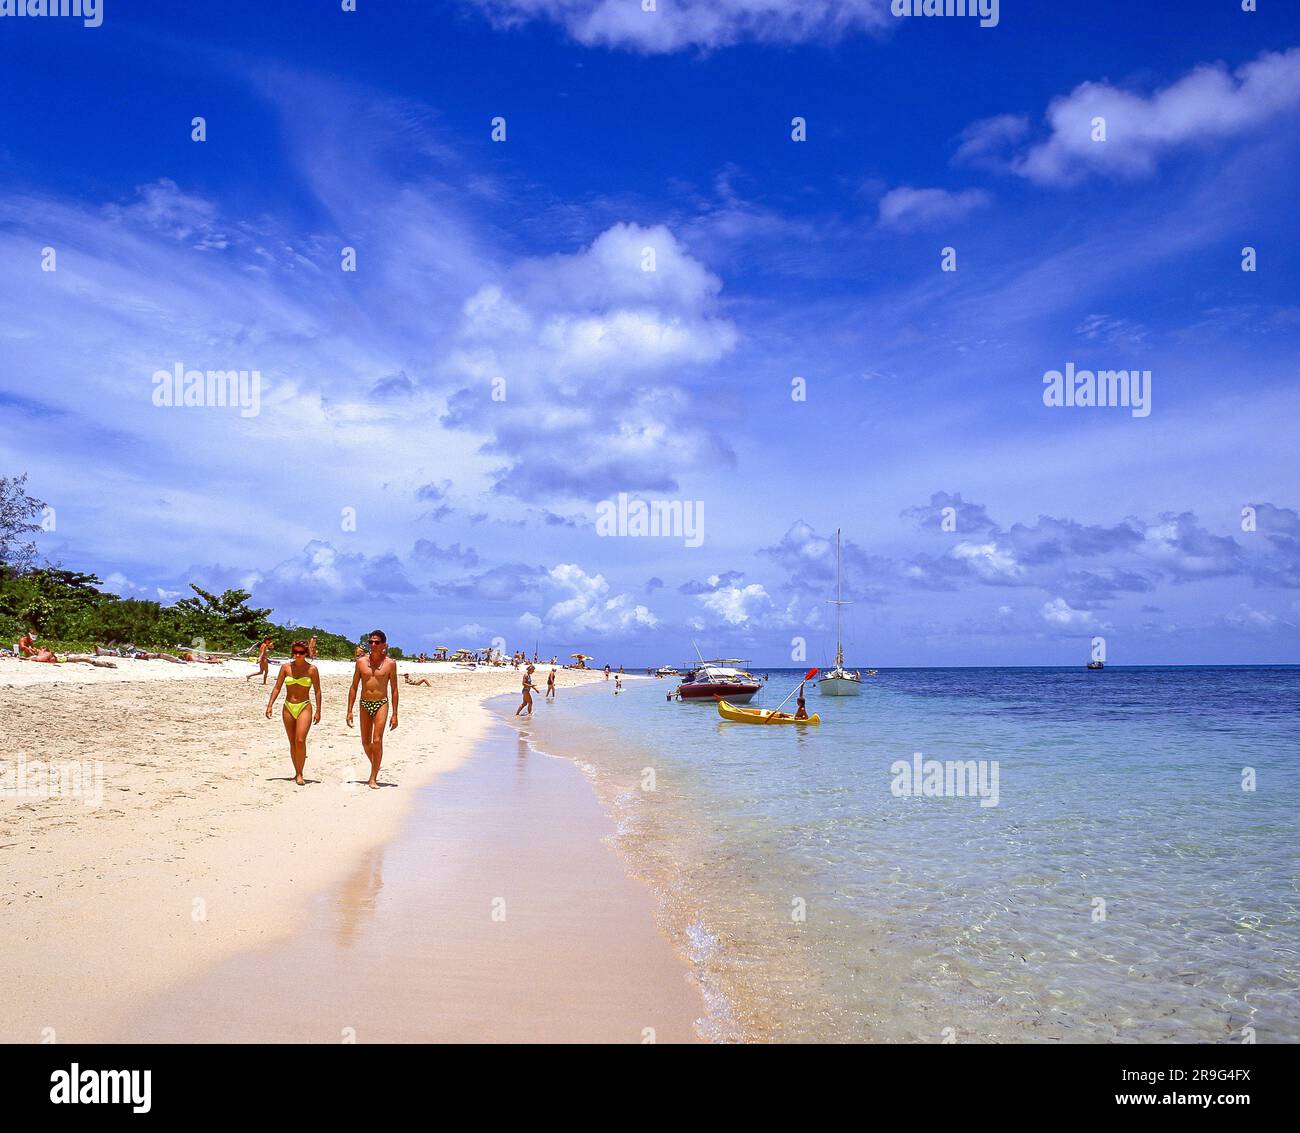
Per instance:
(422,681)
(41,654)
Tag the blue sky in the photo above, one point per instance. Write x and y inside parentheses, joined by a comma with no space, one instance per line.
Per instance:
(773,259)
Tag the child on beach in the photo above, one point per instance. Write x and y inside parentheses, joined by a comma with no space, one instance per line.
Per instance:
(618,684)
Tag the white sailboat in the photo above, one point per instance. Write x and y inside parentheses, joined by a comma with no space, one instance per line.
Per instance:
(839,681)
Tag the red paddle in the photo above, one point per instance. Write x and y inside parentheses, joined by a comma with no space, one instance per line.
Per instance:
(806,677)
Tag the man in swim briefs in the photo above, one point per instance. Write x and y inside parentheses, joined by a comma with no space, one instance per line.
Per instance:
(375,675)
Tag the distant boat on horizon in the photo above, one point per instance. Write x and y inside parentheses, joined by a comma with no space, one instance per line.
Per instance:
(1096,664)
(839,681)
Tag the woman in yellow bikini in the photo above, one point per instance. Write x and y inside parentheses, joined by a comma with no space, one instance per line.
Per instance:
(299,675)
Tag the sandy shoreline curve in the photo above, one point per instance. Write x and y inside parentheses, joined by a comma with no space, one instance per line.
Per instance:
(201,848)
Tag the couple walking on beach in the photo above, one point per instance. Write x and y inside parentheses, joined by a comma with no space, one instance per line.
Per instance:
(375,675)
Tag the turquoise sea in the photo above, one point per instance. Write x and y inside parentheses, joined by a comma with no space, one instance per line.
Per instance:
(1135,881)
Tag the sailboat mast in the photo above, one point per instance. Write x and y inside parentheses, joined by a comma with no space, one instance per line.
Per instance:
(839,605)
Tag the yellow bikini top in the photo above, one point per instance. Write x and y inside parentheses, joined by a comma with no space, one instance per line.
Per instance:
(297,680)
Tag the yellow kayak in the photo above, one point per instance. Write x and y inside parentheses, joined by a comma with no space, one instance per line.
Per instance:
(761,715)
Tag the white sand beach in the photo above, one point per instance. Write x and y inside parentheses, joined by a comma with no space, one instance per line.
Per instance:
(190,845)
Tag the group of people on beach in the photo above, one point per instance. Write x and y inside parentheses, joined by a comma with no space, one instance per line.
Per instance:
(529,685)
(374,677)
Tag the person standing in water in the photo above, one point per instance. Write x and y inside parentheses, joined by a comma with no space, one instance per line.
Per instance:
(550,685)
(263,660)
(527,702)
(376,676)
(299,675)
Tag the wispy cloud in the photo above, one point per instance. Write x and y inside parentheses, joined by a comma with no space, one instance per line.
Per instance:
(1100,128)
(675,25)
(907,209)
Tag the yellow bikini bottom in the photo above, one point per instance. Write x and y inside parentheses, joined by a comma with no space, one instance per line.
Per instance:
(295,709)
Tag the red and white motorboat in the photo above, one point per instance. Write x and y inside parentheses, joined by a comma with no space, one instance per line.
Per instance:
(724,678)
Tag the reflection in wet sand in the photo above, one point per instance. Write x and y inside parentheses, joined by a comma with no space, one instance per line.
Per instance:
(407,948)
(358,897)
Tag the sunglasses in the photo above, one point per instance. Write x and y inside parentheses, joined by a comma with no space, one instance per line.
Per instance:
(300,653)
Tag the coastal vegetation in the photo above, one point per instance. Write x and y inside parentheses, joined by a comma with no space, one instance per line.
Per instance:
(68,610)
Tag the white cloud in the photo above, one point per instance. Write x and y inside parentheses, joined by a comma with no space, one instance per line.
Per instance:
(982,141)
(590,606)
(1060,613)
(989,561)
(906,209)
(1209,103)
(1247,617)
(737,605)
(674,25)
(595,349)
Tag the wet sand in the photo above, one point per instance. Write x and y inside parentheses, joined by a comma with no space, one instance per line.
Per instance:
(499,914)
(202,849)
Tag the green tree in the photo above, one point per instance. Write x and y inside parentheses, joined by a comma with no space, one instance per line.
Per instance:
(18,511)
(224,619)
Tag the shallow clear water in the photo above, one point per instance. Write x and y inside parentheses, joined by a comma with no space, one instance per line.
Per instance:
(1125,886)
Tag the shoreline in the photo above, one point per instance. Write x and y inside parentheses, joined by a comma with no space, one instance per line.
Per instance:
(499,913)
(201,849)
